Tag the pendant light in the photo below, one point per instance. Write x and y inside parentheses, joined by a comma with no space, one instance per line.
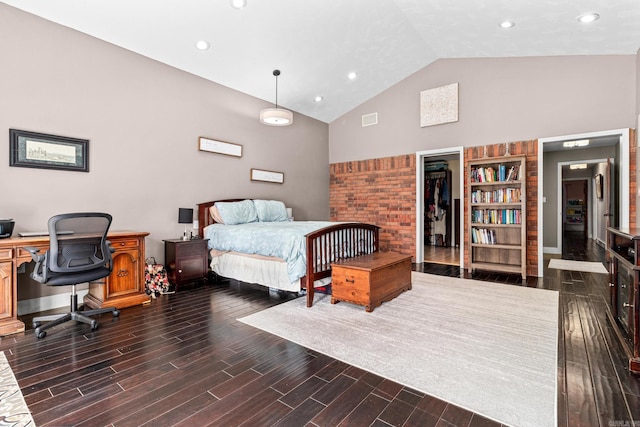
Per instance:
(276,116)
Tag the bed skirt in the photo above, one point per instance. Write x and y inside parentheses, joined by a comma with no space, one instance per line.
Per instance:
(265,271)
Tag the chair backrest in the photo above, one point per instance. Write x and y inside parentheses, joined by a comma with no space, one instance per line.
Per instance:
(78,242)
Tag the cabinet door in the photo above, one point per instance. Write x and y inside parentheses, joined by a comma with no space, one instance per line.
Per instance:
(190,268)
(6,294)
(191,261)
(125,278)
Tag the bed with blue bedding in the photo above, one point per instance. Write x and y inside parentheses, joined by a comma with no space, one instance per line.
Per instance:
(254,241)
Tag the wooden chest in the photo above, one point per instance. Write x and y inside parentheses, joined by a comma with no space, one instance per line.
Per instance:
(370,280)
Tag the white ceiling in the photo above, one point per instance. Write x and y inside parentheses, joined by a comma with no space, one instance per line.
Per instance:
(316,43)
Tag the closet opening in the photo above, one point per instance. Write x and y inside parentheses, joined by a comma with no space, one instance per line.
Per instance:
(439,207)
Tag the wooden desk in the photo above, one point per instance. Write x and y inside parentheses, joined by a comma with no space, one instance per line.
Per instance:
(123,288)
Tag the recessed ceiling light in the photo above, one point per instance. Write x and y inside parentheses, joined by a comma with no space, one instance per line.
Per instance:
(587,18)
(578,166)
(318,98)
(577,143)
(352,75)
(202,44)
(507,24)
(239,4)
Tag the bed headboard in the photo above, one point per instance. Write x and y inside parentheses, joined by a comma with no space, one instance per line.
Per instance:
(204,216)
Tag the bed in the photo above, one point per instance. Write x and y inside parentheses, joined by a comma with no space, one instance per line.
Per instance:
(305,261)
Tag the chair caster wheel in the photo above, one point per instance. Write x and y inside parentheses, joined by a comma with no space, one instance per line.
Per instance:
(40,334)
(36,325)
(116,313)
(94,325)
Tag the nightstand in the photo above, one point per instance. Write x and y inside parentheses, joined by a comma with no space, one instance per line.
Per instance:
(186,261)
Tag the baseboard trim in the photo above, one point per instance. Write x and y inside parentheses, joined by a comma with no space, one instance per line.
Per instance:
(552,250)
(37,305)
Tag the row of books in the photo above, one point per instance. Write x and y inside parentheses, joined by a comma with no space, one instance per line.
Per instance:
(496,216)
(501,195)
(497,174)
(483,235)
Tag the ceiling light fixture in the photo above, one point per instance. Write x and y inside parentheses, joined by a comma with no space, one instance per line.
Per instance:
(578,166)
(587,18)
(239,4)
(318,98)
(577,143)
(202,44)
(276,116)
(352,75)
(507,24)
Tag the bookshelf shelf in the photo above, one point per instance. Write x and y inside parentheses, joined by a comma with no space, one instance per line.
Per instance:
(497,204)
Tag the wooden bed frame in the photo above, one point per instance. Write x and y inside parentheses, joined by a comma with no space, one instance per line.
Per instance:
(352,238)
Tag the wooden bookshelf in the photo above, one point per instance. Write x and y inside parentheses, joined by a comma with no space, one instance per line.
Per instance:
(497,205)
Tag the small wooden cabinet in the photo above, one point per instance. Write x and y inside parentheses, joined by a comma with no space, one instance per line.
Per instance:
(497,205)
(125,286)
(624,275)
(370,280)
(186,261)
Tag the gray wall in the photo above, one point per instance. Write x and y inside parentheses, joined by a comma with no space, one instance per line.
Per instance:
(143,120)
(500,100)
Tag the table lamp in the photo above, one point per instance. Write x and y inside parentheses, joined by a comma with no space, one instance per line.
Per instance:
(185,216)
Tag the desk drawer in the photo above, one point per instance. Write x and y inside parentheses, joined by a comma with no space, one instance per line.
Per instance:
(23,253)
(6,253)
(124,243)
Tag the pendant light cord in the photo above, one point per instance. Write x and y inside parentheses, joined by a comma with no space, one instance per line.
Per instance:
(276,73)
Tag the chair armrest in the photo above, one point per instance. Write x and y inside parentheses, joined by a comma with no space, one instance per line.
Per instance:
(39,270)
(37,257)
(110,247)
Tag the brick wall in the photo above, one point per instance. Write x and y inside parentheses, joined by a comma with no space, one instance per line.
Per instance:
(632,178)
(381,192)
(528,149)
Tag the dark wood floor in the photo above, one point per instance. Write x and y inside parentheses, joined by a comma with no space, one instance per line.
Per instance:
(184,360)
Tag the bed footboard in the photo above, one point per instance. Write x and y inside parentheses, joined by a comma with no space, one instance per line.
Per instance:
(333,243)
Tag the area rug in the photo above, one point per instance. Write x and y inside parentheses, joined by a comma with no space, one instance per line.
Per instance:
(584,266)
(487,347)
(13,409)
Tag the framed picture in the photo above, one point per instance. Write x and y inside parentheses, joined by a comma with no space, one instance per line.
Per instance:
(38,150)
(439,105)
(219,147)
(599,186)
(267,176)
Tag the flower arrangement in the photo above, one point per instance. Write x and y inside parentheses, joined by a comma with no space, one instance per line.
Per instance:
(156,281)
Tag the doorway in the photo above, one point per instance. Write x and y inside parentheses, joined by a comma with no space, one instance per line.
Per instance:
(575,209)
(440,206)
(594,149)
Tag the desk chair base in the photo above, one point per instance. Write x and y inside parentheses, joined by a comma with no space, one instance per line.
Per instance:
(74,314)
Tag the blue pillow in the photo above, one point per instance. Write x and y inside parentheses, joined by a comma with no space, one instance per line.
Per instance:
(237,212)
(271,211)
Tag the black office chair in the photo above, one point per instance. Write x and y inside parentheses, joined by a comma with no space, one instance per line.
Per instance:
(78,252)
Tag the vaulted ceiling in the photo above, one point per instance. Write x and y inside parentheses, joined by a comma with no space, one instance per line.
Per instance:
(317,43)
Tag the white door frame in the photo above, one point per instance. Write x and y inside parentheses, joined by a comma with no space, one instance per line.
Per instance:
(623,197)
(420,156)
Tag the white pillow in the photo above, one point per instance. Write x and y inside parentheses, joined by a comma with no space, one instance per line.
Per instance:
(237,212)
(271,211)
(216,215)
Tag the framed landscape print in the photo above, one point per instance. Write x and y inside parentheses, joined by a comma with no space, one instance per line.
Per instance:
(39,150)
